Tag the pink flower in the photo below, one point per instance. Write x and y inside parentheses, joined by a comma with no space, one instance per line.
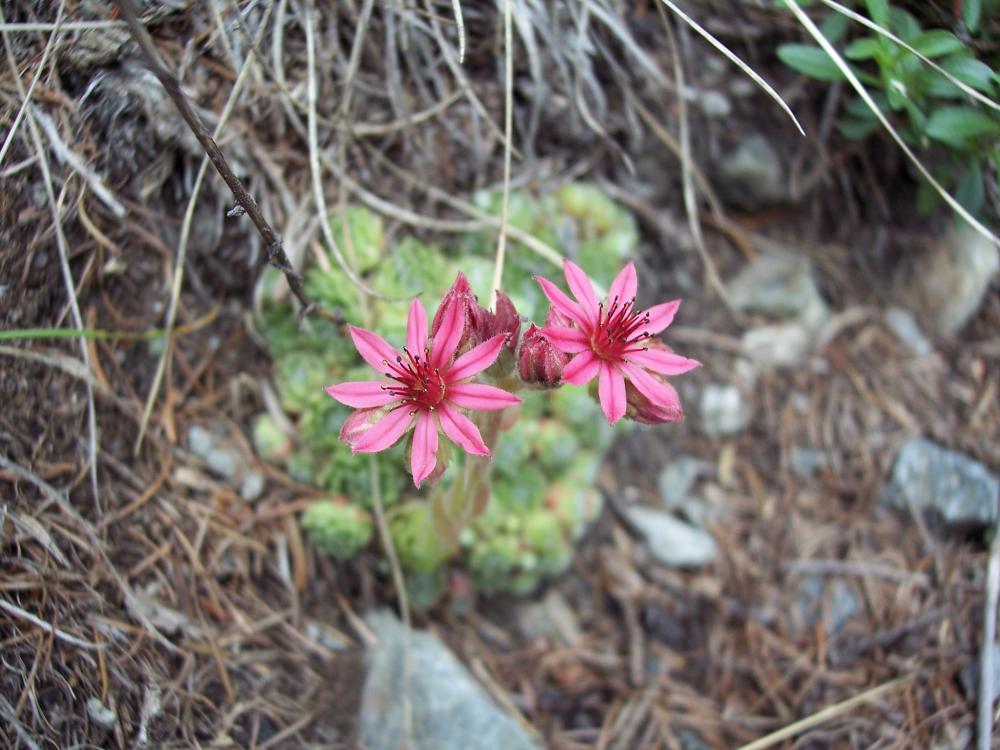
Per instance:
(610,341)
(426,386)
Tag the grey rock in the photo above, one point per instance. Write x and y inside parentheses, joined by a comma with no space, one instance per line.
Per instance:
(551,618)
(752,175)
(678,477)
(779,285)
(723,410)
(832,602)
(805,461)
(779,345)
(711,103)
(673,542)
(449,710)
(224,459)
(103,716)
(946,283)
(943,484)
(689,739)
(902,323)
(252,485)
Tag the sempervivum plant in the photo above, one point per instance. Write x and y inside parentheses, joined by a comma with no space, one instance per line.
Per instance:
(508,506)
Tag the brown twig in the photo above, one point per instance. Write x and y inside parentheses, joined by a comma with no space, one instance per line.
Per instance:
(272,240)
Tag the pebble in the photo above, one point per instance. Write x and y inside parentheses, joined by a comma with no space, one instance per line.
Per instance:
(779,345)
(225,460)
(947,282)
(805,461)
(100,714)
(677,478)
(552,618)
(449,710)
(902,323)
(779,285)
(944,484)
(672,542)
(723,409)
(752,176)
(831,602)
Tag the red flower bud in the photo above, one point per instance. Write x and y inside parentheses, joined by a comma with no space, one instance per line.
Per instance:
(461,294)
(641,409)
(479,324)
(539,363)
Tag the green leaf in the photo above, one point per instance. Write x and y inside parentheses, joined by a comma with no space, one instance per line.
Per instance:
(970,191)
(810,60)
(878,11)
(866,48)
(834,27)
(971,72)
(904,24)
(971,11)
(936,43)
(959,126)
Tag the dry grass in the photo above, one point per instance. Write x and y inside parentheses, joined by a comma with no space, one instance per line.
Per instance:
(200,619)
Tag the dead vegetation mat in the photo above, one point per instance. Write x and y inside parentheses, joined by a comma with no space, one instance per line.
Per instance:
(166,611)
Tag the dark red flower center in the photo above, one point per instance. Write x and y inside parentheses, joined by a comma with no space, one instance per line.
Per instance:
(618,331)
(417,382)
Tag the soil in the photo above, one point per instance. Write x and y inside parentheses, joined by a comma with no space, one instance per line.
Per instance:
(200,619)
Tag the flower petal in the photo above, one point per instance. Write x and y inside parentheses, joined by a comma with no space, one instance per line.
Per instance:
(362,395)
(480,397)
(416,329)
(660,316)
(385,432)
(423,453)
(581,369)
(449,334)
(658,392)
(566,340)
(583,290)
(372,348)
(476,359)
(561,302)
(461,431)
(663,361)
(611,391)
(624,286)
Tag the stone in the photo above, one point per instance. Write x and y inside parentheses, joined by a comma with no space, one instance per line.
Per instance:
(723,410)
(947,281)
(831,602)
(672,542)
(711,103)
(552,618)
(902,323)
(103,716)
(805,461)
(945,485)
(448,709)
(779,345)
(224,459)
(252,486)
(752,175)
(678,477)
(779,285)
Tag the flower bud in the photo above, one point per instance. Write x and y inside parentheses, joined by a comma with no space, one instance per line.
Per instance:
(539,363)
(461,294)
(641,409)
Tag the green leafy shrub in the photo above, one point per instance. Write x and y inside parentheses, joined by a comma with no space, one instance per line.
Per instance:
(925,106)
